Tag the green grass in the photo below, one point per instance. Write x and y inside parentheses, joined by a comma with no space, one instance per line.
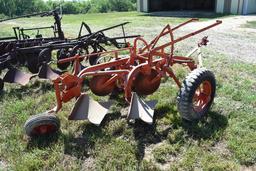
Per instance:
(71,23)
(225,140)
(250,24)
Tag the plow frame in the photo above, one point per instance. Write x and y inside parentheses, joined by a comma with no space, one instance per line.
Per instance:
(125,69)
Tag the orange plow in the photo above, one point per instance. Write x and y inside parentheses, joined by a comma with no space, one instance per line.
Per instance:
(138,73)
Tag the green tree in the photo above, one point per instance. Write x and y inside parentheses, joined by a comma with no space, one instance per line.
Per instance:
(8,7)
(121,5)
(70,8)
(20,7)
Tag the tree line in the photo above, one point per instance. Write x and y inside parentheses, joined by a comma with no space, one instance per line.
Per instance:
(10,8)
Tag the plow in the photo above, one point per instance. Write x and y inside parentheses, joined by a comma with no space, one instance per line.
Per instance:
(36,54)
(136,71)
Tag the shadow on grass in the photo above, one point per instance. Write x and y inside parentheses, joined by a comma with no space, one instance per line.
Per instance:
(36,86)
(185,14)
(144,135)
(81,147)
(160,112)
(212,127)
(43,141)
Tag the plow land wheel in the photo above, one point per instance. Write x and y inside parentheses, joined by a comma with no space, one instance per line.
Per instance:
(97,85)
(197,94)
(1,84)
(42,124)
(145,84)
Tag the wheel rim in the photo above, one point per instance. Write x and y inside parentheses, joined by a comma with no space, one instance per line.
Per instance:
(44,129)
(202,96)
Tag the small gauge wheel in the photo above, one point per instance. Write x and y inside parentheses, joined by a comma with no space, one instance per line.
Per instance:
(42,124)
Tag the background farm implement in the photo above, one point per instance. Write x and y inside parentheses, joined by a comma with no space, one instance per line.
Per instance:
(36,53)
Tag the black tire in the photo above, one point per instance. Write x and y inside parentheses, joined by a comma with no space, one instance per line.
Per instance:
(42,124)
(1,84)
(36,60)
(62,54)
(190,93)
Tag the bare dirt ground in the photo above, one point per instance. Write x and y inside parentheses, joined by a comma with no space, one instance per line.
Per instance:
(231,37)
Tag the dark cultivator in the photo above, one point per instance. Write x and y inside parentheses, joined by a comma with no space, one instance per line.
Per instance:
(36,53)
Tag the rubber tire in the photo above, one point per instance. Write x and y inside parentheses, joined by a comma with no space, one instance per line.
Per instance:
(40,119)
(187,91)
(1,84)
(61,54)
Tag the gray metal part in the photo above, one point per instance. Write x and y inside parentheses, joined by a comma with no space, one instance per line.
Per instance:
(16,76)
(88,109)
(141,110)
(46,72)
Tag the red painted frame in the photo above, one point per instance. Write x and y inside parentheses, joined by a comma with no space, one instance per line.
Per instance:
(152,55)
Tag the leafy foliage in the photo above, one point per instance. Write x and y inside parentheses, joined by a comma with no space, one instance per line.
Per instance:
(20,7)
